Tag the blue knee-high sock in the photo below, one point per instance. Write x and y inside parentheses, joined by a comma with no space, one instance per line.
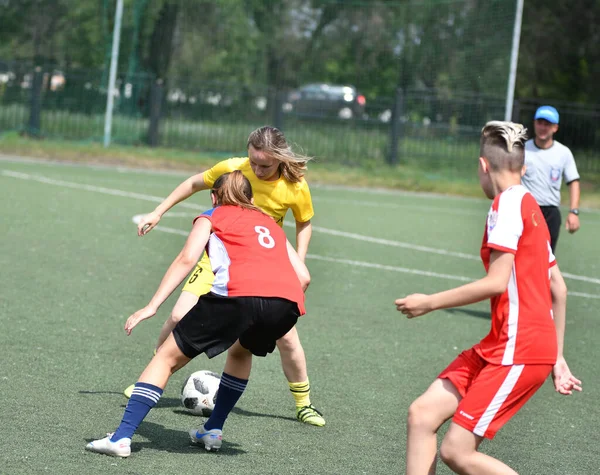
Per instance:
(230,390)
(144,397)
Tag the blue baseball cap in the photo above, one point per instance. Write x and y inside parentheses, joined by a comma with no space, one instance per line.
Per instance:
(548,113)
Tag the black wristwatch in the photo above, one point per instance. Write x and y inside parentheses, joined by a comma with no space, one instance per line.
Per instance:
(575,211)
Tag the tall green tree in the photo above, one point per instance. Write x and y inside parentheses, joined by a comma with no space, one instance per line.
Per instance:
(559,55)
(376,45)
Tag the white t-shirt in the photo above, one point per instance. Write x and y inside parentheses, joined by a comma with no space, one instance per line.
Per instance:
(545,171)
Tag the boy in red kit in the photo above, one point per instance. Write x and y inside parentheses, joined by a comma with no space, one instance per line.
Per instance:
(487,384)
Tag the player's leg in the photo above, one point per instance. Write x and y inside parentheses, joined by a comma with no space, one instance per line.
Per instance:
(428,412)
(459,452)
(233,383)
(184,304)
(293,361)
(425,416)
(553,220)
(146,393)
(199,283)
(496,394)
(224,322)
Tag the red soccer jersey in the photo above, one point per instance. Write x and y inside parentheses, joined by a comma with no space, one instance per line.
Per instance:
(523,329)
(248,255)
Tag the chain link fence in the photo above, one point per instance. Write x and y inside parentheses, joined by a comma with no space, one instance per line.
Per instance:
(428,128)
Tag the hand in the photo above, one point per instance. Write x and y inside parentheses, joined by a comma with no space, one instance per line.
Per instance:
(564,382)
(148,222)
(139,316)
(572,223)
(414,305)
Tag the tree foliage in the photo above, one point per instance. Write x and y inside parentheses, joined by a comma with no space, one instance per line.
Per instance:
(453,45)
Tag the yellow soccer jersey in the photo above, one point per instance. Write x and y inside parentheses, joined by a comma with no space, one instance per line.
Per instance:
(273,197)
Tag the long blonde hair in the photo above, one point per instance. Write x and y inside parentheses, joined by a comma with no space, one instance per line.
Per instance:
(234,189)
(272,141)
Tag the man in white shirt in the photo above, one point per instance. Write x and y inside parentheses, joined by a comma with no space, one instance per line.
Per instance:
(547,162)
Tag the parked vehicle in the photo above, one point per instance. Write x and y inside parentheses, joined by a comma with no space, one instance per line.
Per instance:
(326,100)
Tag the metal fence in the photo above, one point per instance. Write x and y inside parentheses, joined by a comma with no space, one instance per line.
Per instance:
(427,128)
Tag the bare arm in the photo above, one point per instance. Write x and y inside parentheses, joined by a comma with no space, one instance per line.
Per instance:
(558,288)
(574,193)
(494,283)
(564,381)
(178,270)
(299,266)
(182,192)
(572,221)
(303,235)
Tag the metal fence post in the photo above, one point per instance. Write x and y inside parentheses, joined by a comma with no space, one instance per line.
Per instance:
(156,97)
(281,99)
(34,125)
(277,98)
(396,126)
(516,112)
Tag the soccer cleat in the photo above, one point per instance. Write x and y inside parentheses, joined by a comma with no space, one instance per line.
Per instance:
(310,415)
(212,439)
(120,448)
(129,391)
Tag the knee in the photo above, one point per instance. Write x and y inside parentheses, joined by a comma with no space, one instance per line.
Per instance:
(452,454)
(290,342)
(176,316)
(170,357)
(420,417)
(238,352)
(177,364)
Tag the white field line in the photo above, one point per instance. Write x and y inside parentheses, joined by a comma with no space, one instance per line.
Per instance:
(591,212)
(344,202)
(413,206)
(333,232)
(403,270)
(164,171)
(97,189)
(583,294)
(319,186)
(360,237)
(158,199)
(136,219)
(91,166)
(388,242)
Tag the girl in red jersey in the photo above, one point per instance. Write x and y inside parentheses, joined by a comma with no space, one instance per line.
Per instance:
(487,384)
(256,298)
(276,173)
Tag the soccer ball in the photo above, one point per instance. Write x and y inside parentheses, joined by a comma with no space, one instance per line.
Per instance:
(199,392)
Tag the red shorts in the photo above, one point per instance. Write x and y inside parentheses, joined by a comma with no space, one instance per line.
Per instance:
(491,394)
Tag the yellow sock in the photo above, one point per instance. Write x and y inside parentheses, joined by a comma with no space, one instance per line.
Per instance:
(301,393)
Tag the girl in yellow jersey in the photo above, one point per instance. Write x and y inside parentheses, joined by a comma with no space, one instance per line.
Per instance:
(277,177)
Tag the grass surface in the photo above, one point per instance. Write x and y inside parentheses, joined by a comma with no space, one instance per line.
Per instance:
(74,269)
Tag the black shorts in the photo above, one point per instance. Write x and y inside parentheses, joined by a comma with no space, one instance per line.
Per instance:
(553,220)
(215,323)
